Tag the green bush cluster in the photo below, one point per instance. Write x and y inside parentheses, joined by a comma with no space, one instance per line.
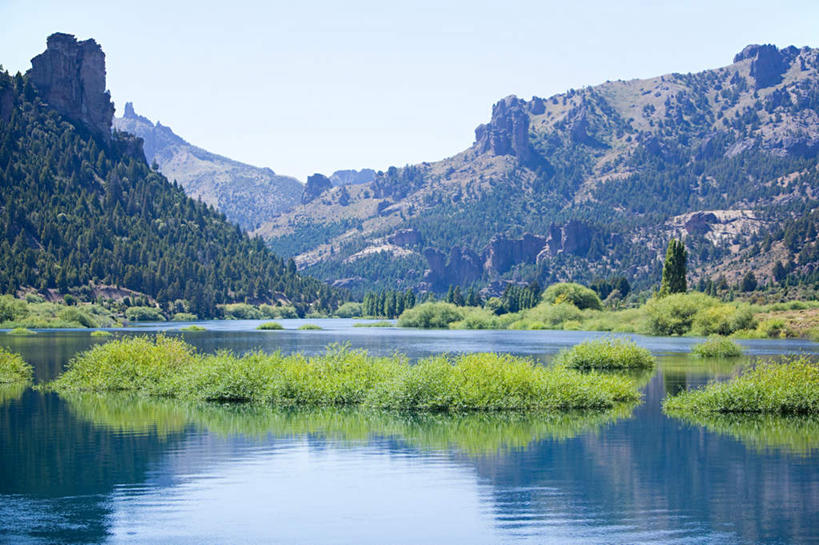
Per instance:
(13,368)
(193,329)
(575,294)
(309,327)
(144,314)
(101,333)
(779,388)
(35,312)
(698,313)
(21,332)
(270,326)
(184,317)
(717,346)
(171,368)
(606,353)
(431,315)
(350,309)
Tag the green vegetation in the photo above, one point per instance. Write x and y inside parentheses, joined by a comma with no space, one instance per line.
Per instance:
(387,304)
(717,346)
(144,314)
(675,268)
(606,353)
(21,332)
(431,315)
(184,317)
(270,326)
(13,368)
(245,311)
(169,367)
(350,309)
(77,214)
(309,327)
(34,312)
(100,333)
(193,328)
(381,323)
(573,294)
(472,432)
(696,313)
(776,388)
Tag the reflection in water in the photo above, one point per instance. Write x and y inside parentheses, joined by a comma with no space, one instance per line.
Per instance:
(793,434)
(473,433)
(12,392)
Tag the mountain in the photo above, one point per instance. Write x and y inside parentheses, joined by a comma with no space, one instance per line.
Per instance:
(82,212)
(352,177)
(247,195)
(586,184)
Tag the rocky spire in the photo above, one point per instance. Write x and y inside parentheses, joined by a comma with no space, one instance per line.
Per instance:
(70,76)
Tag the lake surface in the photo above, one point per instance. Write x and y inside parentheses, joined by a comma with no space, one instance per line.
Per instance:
(115,469)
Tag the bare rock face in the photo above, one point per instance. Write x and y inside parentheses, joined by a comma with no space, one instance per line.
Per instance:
(503,253)
(508,131)
(700,223)
(315,186)
(462,266)
(406,238)
(70,76)
(573,238)
(768,64)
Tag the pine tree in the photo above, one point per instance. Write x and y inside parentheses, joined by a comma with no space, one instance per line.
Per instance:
(674,268)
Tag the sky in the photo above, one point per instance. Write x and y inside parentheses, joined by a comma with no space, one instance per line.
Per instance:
(317,86)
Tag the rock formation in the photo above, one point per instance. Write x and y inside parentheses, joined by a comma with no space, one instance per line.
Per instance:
(502,253)
(315,186)
(406,238)
(70,77)
(768,64)
(352,177)
(462,266)
(507,133)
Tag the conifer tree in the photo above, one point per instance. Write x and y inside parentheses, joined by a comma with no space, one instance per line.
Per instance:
(674,268)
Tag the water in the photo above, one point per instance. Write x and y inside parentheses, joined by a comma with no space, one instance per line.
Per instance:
(123,470)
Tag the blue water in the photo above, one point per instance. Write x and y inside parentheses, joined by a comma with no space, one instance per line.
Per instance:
(119,470)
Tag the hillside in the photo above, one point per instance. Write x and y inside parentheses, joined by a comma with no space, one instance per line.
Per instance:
(247,195)
(586,184)
(82,212)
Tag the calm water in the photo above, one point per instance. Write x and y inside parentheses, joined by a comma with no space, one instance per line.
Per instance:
(90,469)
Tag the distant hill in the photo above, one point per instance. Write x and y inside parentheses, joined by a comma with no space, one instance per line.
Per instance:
(247,195)
(81,211)
(587,184)
(352,177)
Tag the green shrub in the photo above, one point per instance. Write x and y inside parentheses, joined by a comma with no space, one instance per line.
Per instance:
(723,319)
(779,388)
(281,312)
(168,367)
(242,311)
(34,298)
(77,316)
(606,353)
(101,333)
(773,328)
(193,328)
(144,314)
(13,368)
(21,332)
(479,318)
(548,316)
(309,327)
(382,323)
(717,347)
(674,314)
(270,326)
(184,317)
(350,309)
(12,309)
(575,294)
(431,316)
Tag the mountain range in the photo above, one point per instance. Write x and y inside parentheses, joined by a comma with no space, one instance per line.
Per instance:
(587,184)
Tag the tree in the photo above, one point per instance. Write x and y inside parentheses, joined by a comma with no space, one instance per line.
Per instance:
(748,282)
(674,268)
(780,273)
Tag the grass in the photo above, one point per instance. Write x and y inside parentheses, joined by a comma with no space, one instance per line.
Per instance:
(310,327)
(21,332)
(382,323)
(269,326)
(100,333)
(13,368)
(606,353)
(193,329)
(717,346)
(169,367)
(769,388)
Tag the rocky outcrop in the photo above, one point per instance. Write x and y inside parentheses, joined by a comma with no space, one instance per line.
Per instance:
(406,238)
(502,253)
(352,177)
(315,186)
(508,131)
(70,77)
(461,267)
(768,63)
(700,223)
(574,237)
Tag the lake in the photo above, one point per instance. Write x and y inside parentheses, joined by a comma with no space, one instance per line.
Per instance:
(119,469)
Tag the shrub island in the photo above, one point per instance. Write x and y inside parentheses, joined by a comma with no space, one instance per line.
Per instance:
(13,368)
(309,327)
(169,367)
(270,326)
(606,353)
(717,346)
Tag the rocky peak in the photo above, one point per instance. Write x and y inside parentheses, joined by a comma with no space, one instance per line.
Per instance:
(508,131)
(70,76)
(768,62)
(315,186)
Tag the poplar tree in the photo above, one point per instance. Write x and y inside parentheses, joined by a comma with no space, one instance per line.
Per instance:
(674,268)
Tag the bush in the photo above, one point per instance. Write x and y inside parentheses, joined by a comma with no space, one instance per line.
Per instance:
(12,309)
(382,323)
(309,327)
(773,328)
(242,311)
(170,368)
(674,314)
(13,368)
(144,314)
(575,294)
(607,353)
(284,311)
(350,310)
(717,347)
(193,329)
(269,326)
(77,316)
(34,298)
(777,388)
(431,316)
(723,319)
(21,332)
(101,333)
(184,317)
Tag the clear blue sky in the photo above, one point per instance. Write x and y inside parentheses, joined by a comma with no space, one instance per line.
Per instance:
(303,86)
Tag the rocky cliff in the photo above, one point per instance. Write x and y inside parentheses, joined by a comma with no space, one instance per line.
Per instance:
(70,77)
(246,194)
